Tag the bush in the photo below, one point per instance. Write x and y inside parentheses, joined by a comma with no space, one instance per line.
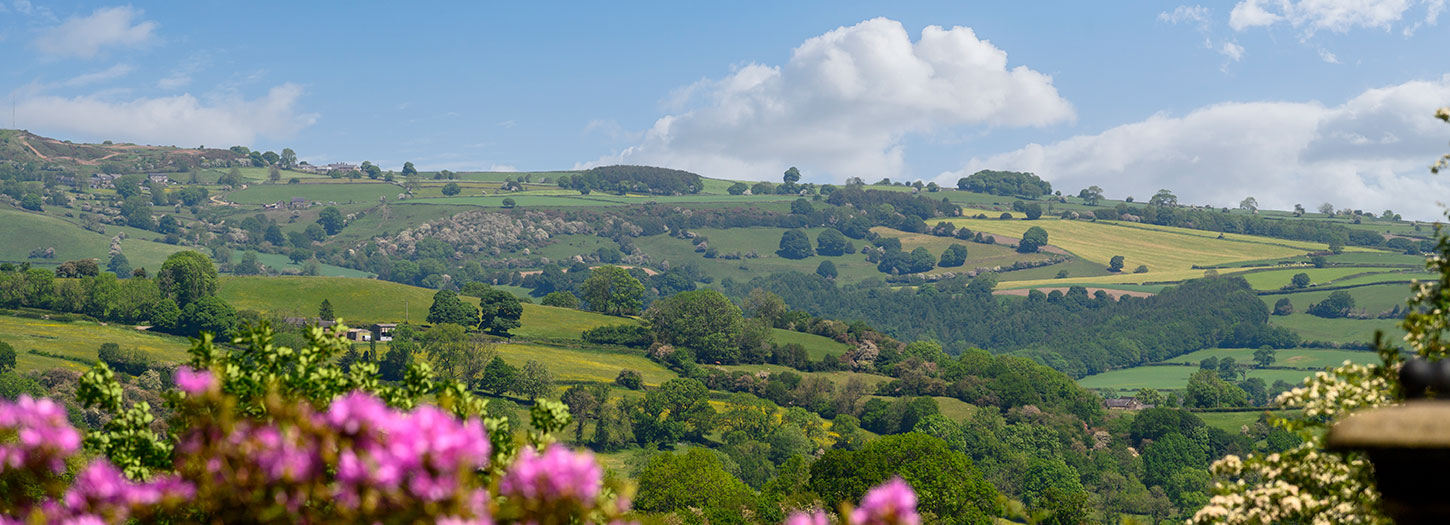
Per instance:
(634,336)
(7,357)
(1142,268)
(132,361)
(561,299)
(1338,304)
(630,379)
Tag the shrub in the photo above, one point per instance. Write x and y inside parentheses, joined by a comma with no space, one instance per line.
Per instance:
(634,336)
(630,379)
(561,299)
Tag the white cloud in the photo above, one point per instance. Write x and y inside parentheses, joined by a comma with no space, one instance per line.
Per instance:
(86,37)
(1327,56)
(1183,14)
(1332,15)
(181,119)
(1232,50)
(1370,152)
(843,103)
(111,73)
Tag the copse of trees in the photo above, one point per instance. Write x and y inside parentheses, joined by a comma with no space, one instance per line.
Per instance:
(634,179)
(1032,240)
(703,321)
(794,244)
(612,290)
(1006,183)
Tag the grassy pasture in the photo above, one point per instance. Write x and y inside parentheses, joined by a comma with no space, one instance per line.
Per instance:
(1162,250)
(1173,377)
(816,346)
(1276,279)
(764,241)
(1386,277)
(366,192)
(1337,330)
(978,255)
(366,301)
(839,378)
(1233,421)
(282,262)
(1372,299)
(80,339)
(569,364)
(520,200)
(1315,358)
(21,232)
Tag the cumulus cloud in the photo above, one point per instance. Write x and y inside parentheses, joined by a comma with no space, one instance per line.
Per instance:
(1331,15)
(1232,50)
(1370,152)
(182,119)
(89,36)
(1328,57)
(842,104)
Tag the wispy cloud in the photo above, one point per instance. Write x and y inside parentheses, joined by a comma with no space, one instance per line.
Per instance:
(111,73)
(106,28)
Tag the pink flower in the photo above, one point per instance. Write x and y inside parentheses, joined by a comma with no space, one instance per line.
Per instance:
(891,503)
(556,475)
(194,382)
(818,517)
(44,435)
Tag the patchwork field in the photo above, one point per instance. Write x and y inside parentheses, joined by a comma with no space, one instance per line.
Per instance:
(1276,279)
(569,364)
(21,232)
(80,339)
(816,346)
(332,191)
(1315,358)
(1174,377)
(1372,299)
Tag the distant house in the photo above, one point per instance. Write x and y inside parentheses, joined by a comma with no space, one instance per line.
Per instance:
(103,180)
(384,331)
(341,166)
(158,179)
(358,334)
(1125,403)
(297,202)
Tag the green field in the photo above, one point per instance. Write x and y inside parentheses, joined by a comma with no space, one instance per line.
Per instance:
(362,302)
(343,192)
(520,200)
(978,255)
(282,263)
(763,241)
(1173,377)
(1313,328)
(839,378)
(1315,358)
(1372,299)
(1276,279)
(1402,277)
(574,365)
(1234,421)
(21,232)
(81,339)
(816,346)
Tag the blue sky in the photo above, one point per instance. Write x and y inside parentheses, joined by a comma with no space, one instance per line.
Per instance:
(1292,102)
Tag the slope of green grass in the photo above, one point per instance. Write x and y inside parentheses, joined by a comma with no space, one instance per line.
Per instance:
(1372,299)
(1315,358)
(569,364)
(1234,421)
(1173,377)
(81,339)
(362,302)
(1313,328)
(816,346)
(763,241)
(282,263)
(978,255)
(21,232)
(331,191)
(1276,279)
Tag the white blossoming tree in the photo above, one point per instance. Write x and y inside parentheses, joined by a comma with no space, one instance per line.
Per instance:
(1308,484)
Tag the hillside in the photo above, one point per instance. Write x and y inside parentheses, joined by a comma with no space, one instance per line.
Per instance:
(23,147)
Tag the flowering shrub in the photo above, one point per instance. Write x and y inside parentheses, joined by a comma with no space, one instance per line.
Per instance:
(255,444)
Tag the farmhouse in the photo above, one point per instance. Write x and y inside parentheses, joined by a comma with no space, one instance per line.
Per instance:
(1125,403)
(158,179)
(359,334)
(384,331)
(103,180)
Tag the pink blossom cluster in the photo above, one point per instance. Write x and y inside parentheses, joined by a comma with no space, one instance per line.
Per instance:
(101,489)
(194,382)
(890,503)
(422,452)
(44,438)
(558,475)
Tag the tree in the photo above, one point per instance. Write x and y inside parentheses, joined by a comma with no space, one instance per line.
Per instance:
(208,314)
(737,188)
(792,175)
(673,482)
(946,483)
(32,202)
(954,256)
(1283,306)
(1142,268)
(1032,210)
(7,357)
(448,308)
(794,244)
(1032,240)
(1115,264)
(498,377)
(921,260)
(1249,203)
(1091,195)
(613,291)
(409,170)
(534,380)
(702,320)
(186,277)
(1163,198)
(1338,304)
(560,299)
(324,311)
(331,220)
(831,242)
(677,410)
(452,189)
(274,175)
(288,158)
(500,312)
(508,202)
(801,207)
(583,406)
(826,269)
(1300,280)
(1264,356)
(137,211)
(1208,389)
(630,379)
(119,265)
(1326,209)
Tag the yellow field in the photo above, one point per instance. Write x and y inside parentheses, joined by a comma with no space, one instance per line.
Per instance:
(1303,245)
(568,364)
(80,339)
(1163,250)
